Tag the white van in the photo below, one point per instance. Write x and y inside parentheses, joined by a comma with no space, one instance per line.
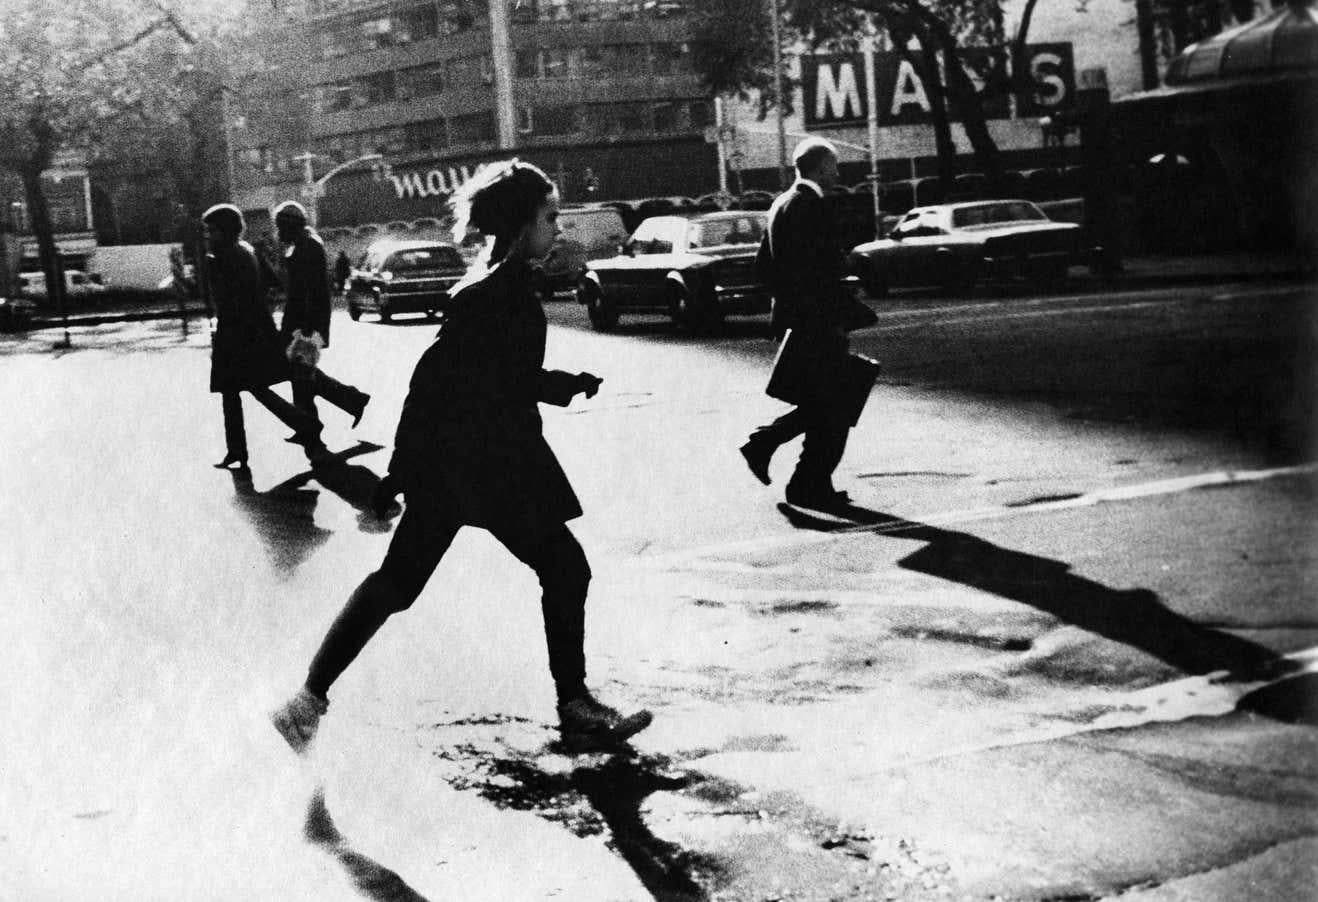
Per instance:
(588,233)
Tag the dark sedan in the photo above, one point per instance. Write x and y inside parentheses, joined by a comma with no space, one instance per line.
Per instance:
(957,245)
(695,269)
(404,277)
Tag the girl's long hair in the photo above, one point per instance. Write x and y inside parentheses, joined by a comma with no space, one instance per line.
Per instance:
(498,201)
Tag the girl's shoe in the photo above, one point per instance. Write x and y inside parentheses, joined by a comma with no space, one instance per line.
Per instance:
(585,722)
(297,720)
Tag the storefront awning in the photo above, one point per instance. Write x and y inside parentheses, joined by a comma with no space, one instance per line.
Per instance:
(1284,41)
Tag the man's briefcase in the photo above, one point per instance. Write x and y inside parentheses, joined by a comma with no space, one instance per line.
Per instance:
(804,373)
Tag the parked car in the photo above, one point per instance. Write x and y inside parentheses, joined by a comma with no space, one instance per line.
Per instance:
(957,245)
(587,233)
(695,269)
(15,313)
(78,285)
(404,277)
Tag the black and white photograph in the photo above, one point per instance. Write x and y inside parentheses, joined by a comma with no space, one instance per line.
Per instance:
(659,450)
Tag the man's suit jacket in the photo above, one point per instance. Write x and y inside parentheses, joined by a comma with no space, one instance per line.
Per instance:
(306,285)
(802,263)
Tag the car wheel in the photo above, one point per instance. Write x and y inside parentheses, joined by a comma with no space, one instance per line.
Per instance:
(696,314)
(385,313)
(354,312)
(602,313)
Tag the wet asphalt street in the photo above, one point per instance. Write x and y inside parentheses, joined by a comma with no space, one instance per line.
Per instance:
(1058,649)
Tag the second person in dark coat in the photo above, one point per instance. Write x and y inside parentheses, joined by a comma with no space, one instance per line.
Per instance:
(470,451)
(307,316)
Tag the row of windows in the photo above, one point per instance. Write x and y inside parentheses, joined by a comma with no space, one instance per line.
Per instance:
(415,137)
(585,120)
(405,84)
(396,29)
(614,120)
(596,62)
(531,11)
(605,61)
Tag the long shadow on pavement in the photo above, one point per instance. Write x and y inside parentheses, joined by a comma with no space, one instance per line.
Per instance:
(284,515)
(372,879)
(587,794)
(1134,617)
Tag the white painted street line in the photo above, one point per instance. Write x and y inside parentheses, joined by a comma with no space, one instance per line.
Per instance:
(697,558)
(1019,314)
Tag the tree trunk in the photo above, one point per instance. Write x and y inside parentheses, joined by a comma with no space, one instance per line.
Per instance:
(926,64)
(44,231)
(967,100)
(1147,46)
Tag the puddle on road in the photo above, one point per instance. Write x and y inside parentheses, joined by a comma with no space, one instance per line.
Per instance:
(685,834)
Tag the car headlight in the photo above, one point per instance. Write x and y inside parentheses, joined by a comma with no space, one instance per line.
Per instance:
(386,276)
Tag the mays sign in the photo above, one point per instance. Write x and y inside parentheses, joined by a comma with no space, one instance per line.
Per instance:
(836,90)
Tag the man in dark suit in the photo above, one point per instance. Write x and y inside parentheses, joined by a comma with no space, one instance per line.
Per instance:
(306,324)
(801,261)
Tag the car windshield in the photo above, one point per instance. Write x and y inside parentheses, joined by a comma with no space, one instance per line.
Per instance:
(991,214)
(714,232)
(424,258)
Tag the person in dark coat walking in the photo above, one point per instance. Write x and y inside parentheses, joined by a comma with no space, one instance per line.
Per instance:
(246,352)
(802,262)
(342,270)
(470,451)
(305,327)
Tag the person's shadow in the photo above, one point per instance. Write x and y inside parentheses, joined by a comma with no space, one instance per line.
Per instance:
(284,519)
(284,515)
(1134,617)
(614,786)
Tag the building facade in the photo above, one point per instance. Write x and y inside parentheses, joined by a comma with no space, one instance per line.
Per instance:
(601,94)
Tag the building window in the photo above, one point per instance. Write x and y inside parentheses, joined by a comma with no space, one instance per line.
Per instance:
(551,121)
(557,62)
(420,23)
(702,114)
(629,60)
(379,88)
(431,135)
(593,62)
(421,81)
(527,64)
(455,16)
(476,128)
(670,59)
(665,118)
(377,33)
(613,120)
(469,71)
(337,97)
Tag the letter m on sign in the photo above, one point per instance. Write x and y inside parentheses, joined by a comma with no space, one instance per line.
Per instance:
(834,89)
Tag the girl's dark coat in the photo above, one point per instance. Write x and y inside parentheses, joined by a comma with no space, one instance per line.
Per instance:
(470,441)
(246,351)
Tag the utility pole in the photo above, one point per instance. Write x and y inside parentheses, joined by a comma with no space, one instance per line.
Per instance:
(872,122)
(501,59)
(778,90)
